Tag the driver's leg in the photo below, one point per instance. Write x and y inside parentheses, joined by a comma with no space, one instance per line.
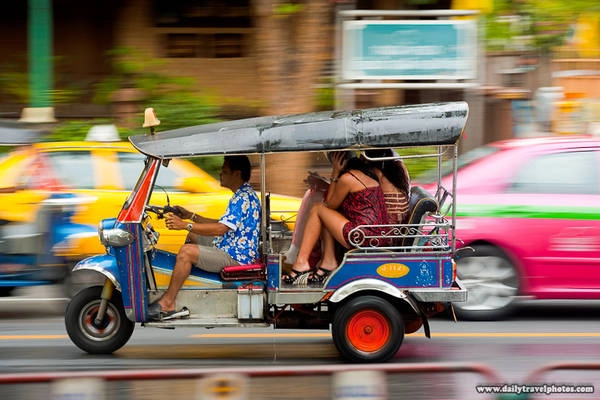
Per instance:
(183,266)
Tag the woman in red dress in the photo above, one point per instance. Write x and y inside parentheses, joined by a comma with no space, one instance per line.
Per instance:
(354,198)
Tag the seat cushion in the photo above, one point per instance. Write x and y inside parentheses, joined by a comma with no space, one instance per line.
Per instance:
(243,272)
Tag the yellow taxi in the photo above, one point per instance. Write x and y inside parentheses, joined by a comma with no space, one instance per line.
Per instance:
(102,174)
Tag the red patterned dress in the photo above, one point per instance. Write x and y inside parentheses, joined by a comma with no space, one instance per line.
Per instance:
(365,207)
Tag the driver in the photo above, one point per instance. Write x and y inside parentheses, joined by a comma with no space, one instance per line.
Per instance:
(236,234)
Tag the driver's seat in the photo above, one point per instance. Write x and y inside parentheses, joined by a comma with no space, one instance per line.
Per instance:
(243,272)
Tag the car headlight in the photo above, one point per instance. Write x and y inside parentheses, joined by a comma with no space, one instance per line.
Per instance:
(115,237)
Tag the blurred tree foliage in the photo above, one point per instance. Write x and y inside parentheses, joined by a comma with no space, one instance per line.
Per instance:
(174,100)
(14,84)
(78,129)
(534,25)
(421,165)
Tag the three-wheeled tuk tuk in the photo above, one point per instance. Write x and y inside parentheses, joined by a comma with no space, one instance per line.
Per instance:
(386,286)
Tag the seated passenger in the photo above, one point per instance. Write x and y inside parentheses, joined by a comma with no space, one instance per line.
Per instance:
(237,235)
(317,188)
(356,192)
(394,181)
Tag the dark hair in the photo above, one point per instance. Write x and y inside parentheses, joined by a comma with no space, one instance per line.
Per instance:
(348,154)
(239,163)
(360,165)
(393,170)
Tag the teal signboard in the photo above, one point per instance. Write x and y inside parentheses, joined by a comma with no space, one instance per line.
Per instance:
(409,50)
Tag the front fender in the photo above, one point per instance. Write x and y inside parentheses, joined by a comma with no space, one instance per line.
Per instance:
(104,264)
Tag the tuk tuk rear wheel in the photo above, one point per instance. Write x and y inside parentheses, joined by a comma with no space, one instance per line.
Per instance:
(368,329)
(104,338)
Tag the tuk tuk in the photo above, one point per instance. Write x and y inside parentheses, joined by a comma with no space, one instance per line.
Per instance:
(387,286)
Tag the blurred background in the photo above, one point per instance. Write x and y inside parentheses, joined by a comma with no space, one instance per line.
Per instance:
(524,66)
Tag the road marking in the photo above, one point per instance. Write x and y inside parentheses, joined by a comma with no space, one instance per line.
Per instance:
(328,335)
(33,299)
(32,337)
(258,335)
(515,334)
(419,334)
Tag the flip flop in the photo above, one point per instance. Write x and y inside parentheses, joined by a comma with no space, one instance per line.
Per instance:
(156,313)
(174,314)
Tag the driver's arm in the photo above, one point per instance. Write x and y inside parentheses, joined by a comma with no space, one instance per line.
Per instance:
(203,220)
(192,216)
(209,228)
(203,226)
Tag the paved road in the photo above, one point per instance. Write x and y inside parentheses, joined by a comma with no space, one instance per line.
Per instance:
(33,339)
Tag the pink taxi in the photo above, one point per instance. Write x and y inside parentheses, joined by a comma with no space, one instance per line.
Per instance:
(530,210)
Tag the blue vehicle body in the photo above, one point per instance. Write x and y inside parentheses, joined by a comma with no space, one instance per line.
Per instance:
(28,250)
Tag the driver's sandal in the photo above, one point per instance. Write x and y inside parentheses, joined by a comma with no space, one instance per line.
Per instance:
(299,277)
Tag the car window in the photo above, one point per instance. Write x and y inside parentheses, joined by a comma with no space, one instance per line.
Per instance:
(131,165)
(74,168)
(574,172)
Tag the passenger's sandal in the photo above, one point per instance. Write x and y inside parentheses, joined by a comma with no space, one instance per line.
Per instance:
(299,277)
(316,278)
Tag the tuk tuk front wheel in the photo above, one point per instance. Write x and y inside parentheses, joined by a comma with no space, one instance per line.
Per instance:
(6,291)
(367,329)
(97,338)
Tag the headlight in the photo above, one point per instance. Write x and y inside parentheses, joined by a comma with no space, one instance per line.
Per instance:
(105,224)
(100,230)
(115,237)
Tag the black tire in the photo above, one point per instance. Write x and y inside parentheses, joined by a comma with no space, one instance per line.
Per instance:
(6,291)
(492,281)
(111,335)
(367,329)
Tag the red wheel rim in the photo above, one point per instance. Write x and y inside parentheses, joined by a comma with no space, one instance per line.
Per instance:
(368,331)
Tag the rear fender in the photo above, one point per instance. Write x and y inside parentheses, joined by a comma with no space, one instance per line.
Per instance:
(375,285)
(361,285)
(104,264)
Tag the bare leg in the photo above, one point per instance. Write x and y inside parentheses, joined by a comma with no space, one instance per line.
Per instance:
(329,261)
(311,197)
(188,254)
(311,234)
(321,218)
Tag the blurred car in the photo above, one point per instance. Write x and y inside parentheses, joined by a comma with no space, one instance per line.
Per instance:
(102,174)
(530,210)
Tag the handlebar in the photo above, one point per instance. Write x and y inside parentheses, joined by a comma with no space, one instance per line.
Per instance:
(161,211)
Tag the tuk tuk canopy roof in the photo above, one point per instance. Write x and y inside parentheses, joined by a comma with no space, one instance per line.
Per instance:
(412,125)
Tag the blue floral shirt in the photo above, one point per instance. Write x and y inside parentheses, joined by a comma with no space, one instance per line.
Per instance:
(242,217)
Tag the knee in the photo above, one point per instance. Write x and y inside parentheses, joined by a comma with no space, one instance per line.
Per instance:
(316,208)
(188,253)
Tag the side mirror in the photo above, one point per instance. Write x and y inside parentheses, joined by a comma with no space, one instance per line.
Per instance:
(191,184)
